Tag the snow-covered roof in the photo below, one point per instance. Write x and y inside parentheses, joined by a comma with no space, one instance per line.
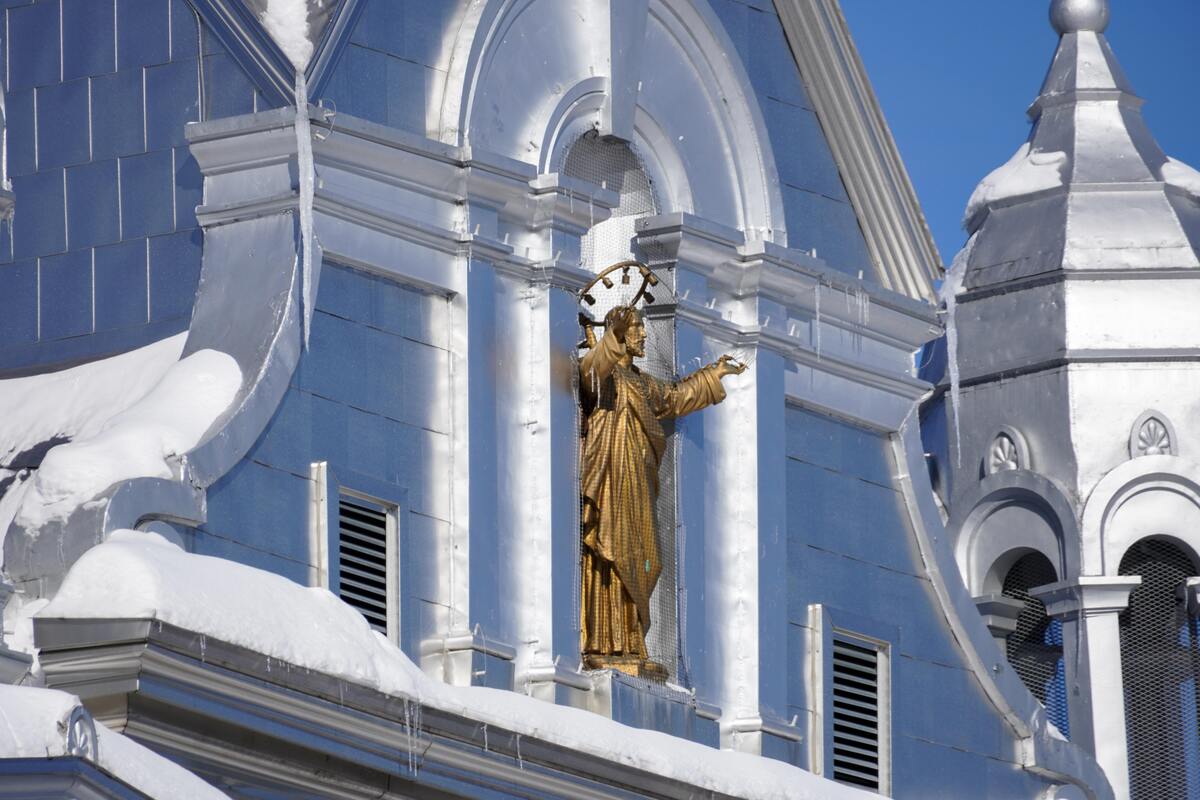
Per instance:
(39,412)
(67,436)
(44,723)
(139,575)
(1091,189)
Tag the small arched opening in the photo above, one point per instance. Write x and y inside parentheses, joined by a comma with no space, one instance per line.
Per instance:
(1160,664)
(1035,649)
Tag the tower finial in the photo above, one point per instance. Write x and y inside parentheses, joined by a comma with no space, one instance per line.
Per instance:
(1073,16)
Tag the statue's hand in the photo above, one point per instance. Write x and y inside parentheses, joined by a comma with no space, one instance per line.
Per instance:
(728,365)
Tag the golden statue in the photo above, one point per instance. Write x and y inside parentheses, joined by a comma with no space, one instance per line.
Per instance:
(623,444)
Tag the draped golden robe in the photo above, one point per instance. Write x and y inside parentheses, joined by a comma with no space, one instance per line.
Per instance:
(623,445)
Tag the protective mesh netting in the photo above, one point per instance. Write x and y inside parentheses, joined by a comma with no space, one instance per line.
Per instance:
(1035,648)
(613,165)
(1160,663)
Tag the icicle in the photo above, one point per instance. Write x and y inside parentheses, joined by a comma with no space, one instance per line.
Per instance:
(951,286)
(304,158)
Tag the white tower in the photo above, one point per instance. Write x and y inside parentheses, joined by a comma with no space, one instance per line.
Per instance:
(1075,311)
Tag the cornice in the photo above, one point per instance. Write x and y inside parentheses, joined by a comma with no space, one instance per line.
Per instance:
(148,674)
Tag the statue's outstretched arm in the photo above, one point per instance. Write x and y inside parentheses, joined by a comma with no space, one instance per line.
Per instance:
(597,363)
(700,389)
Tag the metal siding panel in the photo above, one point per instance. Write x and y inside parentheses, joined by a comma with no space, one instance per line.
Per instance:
(802,156)
(189,189)
(772,68)
(185,42)
(121,299)
(426,540)
(826,442)
(6,256)
(227,90)
(830,226)
(19,122)
(33,45)
(206,543)
(89,47)
(426,25)
(18,303)
(40,228)
(92,210)
(117,114)
(842,514)
(381,26)
(62,124)
(972,727)
(174,274)
(146,194)
(343,362)
(66,294)
(379,88)
(287,442)
(735,18)
(263,508)
(143,33)
(380,303)
(172,101)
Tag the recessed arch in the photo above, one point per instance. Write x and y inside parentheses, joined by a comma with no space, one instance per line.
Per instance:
(1010,514)
(514,90)
(1150,496)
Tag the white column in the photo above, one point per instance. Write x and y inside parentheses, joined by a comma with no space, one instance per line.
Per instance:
(1089,607)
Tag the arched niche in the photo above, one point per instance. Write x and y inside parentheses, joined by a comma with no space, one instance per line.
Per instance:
(1010,514)
(1154,496)
(525,77)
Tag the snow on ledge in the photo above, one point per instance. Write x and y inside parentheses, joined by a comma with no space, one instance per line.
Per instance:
(139,442)
(287,22)
(137,575)
(1025,173)
(1182,175)
(34,723)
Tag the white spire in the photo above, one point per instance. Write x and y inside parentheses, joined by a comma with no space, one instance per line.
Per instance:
(1091,188)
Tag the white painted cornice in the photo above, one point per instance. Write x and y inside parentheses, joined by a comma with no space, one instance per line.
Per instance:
(1108,594)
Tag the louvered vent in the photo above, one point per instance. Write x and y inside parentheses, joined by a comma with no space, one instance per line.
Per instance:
(1035,648)
(363,559)
(1160,668)
(856,714)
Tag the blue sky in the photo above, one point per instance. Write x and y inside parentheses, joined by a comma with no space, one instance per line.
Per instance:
(955,78)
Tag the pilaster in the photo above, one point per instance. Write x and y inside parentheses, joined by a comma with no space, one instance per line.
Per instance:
(1089,607)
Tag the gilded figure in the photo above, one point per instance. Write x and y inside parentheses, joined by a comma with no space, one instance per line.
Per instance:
(623,445)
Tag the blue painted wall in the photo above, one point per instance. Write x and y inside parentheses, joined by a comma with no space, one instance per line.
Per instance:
(850,548)
(361,401)
(104,252)
(385,71)
(816,207)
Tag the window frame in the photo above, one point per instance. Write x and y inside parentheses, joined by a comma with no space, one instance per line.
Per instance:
(827,626)
(327,487)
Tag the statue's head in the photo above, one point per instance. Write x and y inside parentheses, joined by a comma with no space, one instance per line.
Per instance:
(634,334)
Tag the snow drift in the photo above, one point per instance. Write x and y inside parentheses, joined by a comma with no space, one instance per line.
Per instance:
(310,627)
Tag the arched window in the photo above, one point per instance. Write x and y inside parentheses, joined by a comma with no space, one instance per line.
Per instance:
(1035,648)
(1160,662)
(613,165)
